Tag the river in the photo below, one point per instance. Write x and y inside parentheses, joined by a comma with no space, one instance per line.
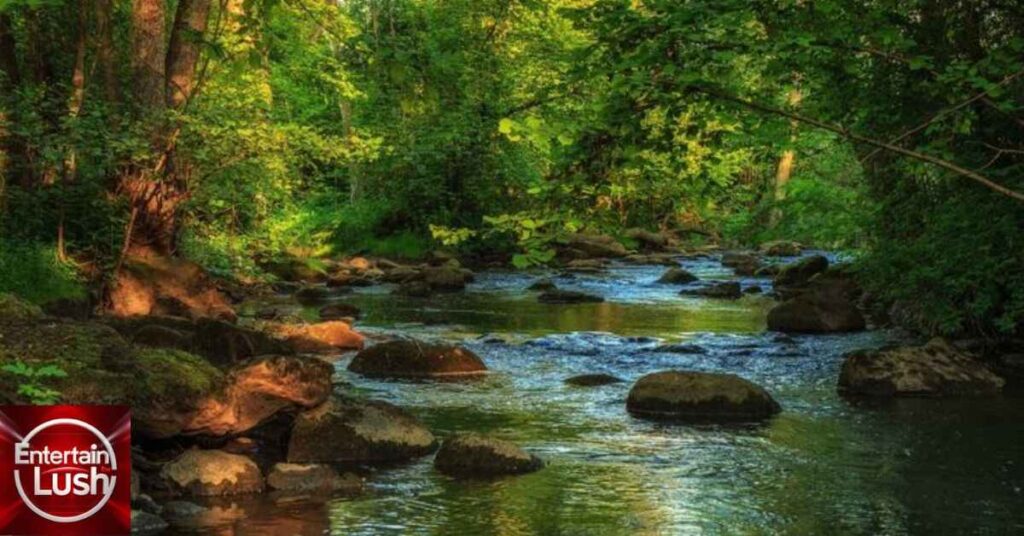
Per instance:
(823,466)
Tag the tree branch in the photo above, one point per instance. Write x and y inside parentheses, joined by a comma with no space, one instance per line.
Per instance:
(846,133)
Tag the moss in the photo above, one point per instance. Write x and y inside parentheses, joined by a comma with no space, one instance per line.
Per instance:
(167,373)
(13,308)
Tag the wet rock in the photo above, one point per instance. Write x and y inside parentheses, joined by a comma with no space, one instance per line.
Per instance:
(319,338)
(295,269)
(317,295)
(822,310)
(725,290)
(699,397)
(179,395)
(446,278)
(677,276)
(338,311)
(660,259)
(680,349)
(753,289)
(415,289)
(648,241)
(350,280)
(568,296)
(781,248)
(586,266)
(800,272)
(310,478)
(402,274)
(542,285)
(592,380)
(353,431)
(474,455)
(80,308)
(150,284)
(13,308)
(147,523)
(770,270)
(158,336)
(416,359)
(596,245)
(742,263)
(225,344)
(212,473)
(935,369)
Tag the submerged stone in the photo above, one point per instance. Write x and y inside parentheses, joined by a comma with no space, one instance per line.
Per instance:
(475,455)
(592,380)
(406,358)
(677,276)
(568,296)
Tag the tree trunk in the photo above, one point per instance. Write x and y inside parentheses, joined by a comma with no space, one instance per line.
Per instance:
(105,56)
(148,58)
(75,101)
(784,171)
(157,193)
(9,78)
(183,52)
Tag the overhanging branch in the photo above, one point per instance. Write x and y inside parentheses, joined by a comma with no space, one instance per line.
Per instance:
(846,133)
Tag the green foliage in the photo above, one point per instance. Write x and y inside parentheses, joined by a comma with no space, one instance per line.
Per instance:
(31,381)
(32,271)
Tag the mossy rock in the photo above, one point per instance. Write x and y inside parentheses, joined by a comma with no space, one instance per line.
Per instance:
(13,308)
(688,396)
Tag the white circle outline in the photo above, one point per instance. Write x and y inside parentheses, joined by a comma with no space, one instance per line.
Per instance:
(106,496)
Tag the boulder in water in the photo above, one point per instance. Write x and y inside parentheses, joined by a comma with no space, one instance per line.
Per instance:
(724,290)
(699,397)
(321,337)
(296,477)
(677,276)
(821,310)
(475,455)
(542,285)
(446,278)
(741,262)
(781,248)
(346,430)
(800,272)
(935,369)
(592,380)
(212,473)
(568,296)
(416,359)
(338,311)
(648,241)
(595,245)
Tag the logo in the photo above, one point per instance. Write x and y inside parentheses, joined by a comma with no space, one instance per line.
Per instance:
(65,470)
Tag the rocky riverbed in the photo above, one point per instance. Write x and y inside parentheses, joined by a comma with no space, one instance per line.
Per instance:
(754,437)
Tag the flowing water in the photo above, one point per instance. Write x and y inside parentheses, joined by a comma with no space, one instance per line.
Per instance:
(823,466)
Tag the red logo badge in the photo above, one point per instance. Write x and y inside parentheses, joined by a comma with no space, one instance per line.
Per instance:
(65,470)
